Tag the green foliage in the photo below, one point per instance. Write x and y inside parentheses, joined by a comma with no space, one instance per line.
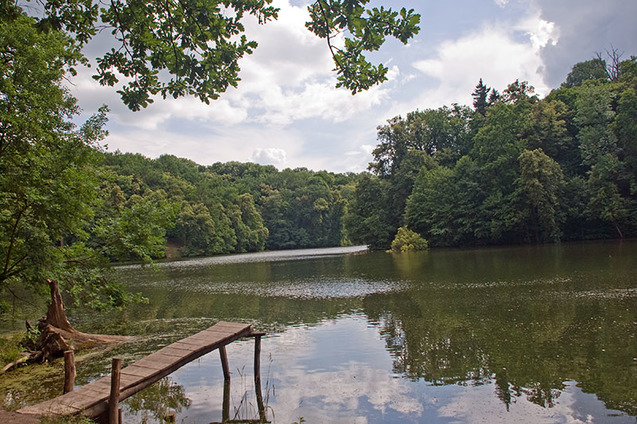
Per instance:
(366,30)
(431,206)
(64,217)
(56,221)
(407,240)
(75,419)
(10,348)
(593,69)
(47,188)
(235,207)
(516,169)
(193,47)
(481,98)
(368,221)
(541,182)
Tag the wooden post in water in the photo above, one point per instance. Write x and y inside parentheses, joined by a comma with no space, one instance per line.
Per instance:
(257,358)
(224,363)
(113,400)
(257,375)
(225,410)
(69,371)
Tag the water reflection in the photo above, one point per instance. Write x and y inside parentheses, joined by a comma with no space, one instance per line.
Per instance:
(527,334)
(518,326)
(157,402)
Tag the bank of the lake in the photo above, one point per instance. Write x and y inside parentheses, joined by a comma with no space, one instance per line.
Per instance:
(525,334)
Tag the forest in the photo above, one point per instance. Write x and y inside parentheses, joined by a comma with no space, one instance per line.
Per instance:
(511,169)
(233,207)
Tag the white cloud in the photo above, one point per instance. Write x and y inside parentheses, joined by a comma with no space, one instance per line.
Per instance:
(541,32)
(493,54)
(219,144)
(270,156)
(586,27)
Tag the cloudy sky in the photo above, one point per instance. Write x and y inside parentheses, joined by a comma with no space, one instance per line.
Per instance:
(286,111)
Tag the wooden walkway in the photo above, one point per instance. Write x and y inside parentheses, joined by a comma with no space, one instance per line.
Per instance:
(91,400)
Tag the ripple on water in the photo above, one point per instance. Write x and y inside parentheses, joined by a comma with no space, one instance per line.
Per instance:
(302,289)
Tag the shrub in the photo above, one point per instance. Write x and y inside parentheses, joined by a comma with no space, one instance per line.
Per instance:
(407,240)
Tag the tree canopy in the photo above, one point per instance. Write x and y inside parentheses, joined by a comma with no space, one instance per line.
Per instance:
(514,169)
(193,47)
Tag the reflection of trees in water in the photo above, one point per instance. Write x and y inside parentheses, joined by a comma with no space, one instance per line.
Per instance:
(526,343)
(157,400)
(538,393)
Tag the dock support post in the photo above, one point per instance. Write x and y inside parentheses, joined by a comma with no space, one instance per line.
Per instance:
(257,376)
(113,400)
(225,410)
(224,363)
(69,371)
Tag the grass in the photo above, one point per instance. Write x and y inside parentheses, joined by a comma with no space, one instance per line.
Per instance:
(11,348)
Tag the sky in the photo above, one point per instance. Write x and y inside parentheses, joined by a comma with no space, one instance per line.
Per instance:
(287,112)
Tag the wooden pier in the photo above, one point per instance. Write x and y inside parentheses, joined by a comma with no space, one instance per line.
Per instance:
(92,400)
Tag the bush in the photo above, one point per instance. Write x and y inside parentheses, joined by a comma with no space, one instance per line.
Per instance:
(407,240)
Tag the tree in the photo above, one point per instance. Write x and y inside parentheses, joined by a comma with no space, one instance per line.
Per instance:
(367,221)
(432,131)
(625,129)
(193,47)
(248,224)
(481,98)
(46,189)
(194,229)
(431,208)
(594,114)
(541,181)
(583,71)
(51,230)
(548,129)
(605,200)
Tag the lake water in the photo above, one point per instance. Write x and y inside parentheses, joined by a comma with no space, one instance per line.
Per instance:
(542,334)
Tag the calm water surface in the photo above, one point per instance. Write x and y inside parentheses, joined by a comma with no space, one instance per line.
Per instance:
(529,334)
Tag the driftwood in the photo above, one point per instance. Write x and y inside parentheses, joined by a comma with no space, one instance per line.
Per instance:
(55,334)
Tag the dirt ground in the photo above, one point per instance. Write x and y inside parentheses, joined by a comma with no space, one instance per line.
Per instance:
(7,417)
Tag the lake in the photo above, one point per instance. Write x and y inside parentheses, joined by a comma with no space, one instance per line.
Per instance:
(539,334)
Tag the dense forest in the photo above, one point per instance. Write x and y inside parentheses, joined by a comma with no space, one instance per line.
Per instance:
(233,207)
(511,169)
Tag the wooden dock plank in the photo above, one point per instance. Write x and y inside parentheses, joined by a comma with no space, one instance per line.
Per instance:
(138,371)
(174,351)
(91,399)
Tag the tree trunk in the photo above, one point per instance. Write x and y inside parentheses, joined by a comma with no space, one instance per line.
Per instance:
(56,314)
(57,335)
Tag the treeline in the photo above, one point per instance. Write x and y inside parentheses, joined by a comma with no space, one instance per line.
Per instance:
(511,169)
(234,207)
